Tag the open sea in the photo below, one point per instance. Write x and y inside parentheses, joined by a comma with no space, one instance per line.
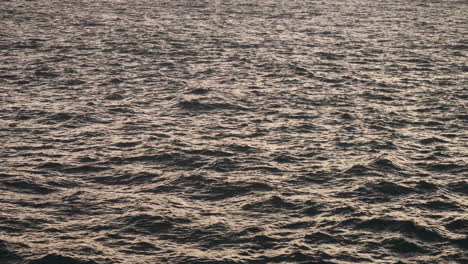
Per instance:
(233,131)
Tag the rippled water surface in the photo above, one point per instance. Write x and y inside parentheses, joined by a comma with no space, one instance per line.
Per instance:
(233,131)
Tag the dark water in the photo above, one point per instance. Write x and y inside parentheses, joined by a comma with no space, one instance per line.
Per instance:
(233,131)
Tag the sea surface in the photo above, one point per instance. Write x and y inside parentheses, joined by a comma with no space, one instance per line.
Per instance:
(233,131)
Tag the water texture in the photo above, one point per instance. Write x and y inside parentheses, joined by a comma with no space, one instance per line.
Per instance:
(233,131)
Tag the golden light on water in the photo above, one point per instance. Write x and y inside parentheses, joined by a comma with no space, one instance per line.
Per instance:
(233,132)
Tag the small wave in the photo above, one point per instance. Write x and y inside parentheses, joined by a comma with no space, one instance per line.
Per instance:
(462,117)
(440,205)
(114,97)
(200,102)
(344,210)
(378,96)
(384,164)
(223,165)
(240,148)
(374,166)
(357,169)
(461,242)
(27,187)
(153,158)
(298,225)
(316,177)
(175,159)
(181,183)
(431,140)
(426,186)
(142,248)
(285,158)
(121,110)
(459,187)
(209,152)
(7,256)
(60,259)
(384,187)
(127,179)
(378,192)
(322,238)
(60,117)
(312,208)
(27,114)
(51,166)
(296,257)
(330,56)
(208,236)
(405,227)
(403,246)
(201,187)
(202,260)
(71,120)
(46,73)
(144,223)
(74,82)
(447,167)
(458,225)
(196,105)
(199,91)
(6,175)
(262,241)
(229,190)
(267,168)
(127,144)
(272,204)
(85,169)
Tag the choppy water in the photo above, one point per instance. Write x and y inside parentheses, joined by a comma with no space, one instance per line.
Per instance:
(233,131)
